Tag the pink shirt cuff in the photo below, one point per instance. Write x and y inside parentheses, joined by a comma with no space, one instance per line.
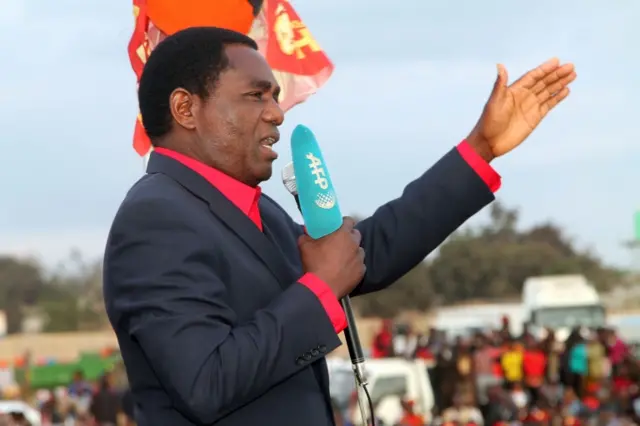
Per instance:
(328,300)
(481,167)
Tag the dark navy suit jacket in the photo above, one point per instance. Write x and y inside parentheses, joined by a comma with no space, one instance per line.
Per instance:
(212,325)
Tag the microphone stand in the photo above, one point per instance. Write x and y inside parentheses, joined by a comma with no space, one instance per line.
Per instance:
(357,361)
(354,346)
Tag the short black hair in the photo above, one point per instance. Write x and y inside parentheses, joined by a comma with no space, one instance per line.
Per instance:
(191,59)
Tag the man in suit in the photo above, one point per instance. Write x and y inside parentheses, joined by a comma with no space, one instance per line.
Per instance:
(223,309)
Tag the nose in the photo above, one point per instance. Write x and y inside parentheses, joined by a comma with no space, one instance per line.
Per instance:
(273,113)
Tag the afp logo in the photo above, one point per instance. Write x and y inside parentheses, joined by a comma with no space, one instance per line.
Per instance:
(327,199)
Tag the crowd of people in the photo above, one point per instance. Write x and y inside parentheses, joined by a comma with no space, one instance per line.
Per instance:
(487,378)
(81,403)
(493,378)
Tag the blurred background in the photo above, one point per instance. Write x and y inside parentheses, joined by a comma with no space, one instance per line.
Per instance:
(548,273)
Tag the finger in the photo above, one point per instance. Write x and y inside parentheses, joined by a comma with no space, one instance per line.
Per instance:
(528,80)
(556,87)
(552,77)
(501,80)
(356,235)
(554,101)
(348,223)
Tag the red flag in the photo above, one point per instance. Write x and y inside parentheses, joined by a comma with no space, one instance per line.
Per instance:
(298,62)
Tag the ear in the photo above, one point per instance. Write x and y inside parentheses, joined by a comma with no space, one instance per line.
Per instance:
(182,105)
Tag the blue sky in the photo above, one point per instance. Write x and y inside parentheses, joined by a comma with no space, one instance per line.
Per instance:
(411,78)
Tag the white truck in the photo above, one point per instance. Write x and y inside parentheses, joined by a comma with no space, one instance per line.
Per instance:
(561,302)
(465,320)
(390,380)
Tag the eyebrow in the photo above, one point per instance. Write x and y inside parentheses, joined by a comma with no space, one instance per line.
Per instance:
(265,85)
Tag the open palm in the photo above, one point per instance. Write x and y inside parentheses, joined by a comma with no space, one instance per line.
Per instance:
(513,112)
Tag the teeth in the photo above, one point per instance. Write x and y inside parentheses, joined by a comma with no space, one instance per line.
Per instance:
(267,146)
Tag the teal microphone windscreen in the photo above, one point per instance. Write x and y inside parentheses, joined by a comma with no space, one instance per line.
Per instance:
(318,201)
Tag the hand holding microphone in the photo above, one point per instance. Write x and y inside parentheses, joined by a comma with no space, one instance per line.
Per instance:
(331,249)
(337,259)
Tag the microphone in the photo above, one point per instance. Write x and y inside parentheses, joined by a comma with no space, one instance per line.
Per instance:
(308,180)
(351,332)
(318,201)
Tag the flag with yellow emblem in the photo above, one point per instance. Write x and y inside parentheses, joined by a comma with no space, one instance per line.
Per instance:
(299,64)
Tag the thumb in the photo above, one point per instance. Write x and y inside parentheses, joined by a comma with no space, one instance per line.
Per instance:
(501,81)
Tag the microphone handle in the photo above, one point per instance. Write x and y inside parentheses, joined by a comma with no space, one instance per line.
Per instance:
(351,333)
(351,336)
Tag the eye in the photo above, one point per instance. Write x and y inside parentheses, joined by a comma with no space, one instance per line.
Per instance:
(257,95)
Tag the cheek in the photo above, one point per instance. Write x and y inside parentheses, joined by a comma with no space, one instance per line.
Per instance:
(235,124)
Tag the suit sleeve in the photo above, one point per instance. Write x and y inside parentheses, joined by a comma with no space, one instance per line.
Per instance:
(402,232)
(166,294)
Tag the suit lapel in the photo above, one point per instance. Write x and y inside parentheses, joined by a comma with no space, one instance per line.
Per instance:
(224,209)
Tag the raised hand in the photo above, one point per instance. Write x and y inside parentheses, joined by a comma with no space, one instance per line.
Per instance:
(514,111)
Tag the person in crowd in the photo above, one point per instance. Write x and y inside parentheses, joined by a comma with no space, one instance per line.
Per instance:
(578,364)
(484,359)
(383,341)
(500,409)
(571,404)
(465,373)
(505,329)
(105,405)
(404,341)
(552,350)
(422,349)
(552,393)
(535,416)
(534,364)
(617,350)
(519,396)
(526,333)
(79,393)
(338,415)
(463,411)
(409,416)
(596,359)
(591,400)
(511,362)
(444,375)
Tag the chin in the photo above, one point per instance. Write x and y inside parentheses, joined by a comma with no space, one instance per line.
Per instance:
(265,173)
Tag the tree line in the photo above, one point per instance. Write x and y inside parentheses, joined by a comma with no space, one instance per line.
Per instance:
(68,298)
(490,261)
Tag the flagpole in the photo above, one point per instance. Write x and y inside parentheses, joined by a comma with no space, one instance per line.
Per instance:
(145,161)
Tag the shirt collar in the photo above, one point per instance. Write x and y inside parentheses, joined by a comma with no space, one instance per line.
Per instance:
(241,195)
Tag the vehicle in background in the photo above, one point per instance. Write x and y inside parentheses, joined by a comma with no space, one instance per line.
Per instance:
(9,407)
(561,303)
(390,381)
(342,383)
(466,320)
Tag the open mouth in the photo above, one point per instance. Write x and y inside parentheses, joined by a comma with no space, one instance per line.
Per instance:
(266,145)
(268,142)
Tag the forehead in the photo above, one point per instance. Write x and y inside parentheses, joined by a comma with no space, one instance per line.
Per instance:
(247,65)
